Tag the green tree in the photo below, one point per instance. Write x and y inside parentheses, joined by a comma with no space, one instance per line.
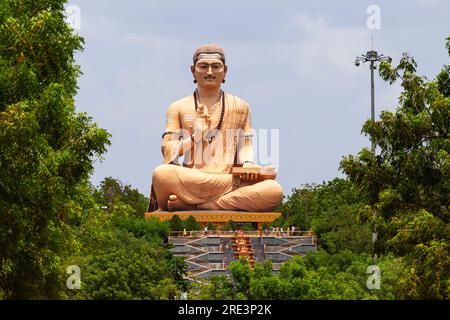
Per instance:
(191,224)
(176,224)
(125,267)
(215,288)
(46,148)
(178,270)
(122,256)
(407,184)
(248,227)
(112,192)
(230,226)
(331,210)
(150,229)
(240,272)
(316,276)
(211,226)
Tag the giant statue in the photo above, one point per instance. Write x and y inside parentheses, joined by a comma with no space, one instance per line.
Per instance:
(212,131)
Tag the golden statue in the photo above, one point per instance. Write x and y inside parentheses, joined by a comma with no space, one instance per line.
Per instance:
(212,130)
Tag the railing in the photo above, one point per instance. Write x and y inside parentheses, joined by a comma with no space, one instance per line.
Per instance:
(217,266)
(272,248)
(258,233)
(209,265)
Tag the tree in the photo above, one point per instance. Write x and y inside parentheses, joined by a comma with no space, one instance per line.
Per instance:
(125,267)
(331,210)
(248,227)
(47,150)
(112,192)
(407,185)
(316,276)
(150,229)
(230,226)
(176,224)
(216,288)
(240,272)
(191,224)
(211,226)
(122,256)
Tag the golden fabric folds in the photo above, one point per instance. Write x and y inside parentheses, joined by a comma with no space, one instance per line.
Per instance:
(205,178)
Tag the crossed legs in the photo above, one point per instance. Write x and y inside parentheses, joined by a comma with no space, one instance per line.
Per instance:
(180,188)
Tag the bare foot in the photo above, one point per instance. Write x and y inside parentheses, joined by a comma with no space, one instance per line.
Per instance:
(176,204)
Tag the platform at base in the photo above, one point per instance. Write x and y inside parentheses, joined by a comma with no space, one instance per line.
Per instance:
(219,217)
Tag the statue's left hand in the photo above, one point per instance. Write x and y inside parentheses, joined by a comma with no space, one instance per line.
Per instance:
(253,177)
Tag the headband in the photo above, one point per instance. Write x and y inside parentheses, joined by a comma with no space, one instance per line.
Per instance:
(210,56)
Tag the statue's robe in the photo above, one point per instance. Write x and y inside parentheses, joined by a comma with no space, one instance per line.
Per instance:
(205,175)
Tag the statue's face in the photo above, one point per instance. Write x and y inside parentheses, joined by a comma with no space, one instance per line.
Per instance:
(209,72)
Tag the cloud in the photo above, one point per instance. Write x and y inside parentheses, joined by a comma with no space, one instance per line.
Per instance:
(331,47)
(429,3)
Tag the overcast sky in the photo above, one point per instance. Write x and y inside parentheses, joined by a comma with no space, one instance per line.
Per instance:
(292,61)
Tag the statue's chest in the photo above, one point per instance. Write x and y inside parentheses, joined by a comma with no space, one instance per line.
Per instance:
(187,118)
(232,118)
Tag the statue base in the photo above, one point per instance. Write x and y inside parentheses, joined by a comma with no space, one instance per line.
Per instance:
(219,217)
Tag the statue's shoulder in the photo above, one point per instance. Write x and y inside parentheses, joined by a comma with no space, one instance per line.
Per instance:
(238,102)
(182,103)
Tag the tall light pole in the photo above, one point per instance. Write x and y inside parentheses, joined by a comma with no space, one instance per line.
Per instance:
(373,57)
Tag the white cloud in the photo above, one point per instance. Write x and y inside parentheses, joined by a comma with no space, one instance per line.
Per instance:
(429,3)
(332,48)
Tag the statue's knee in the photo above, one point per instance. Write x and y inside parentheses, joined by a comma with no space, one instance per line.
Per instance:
(162,173)
(275,190)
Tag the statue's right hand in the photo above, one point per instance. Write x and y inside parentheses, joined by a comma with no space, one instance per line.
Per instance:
(202,122)
(202,110)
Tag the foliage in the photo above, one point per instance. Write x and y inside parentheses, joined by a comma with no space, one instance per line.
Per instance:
(176,224)
(240,272)
(247,227)
(211,226)
(191,224)
(216,288)
(113,192)
(126,267)
(316,276)
(151,229)
(331,210)
(230,226)
(122,256)
(47,150)
(407,185)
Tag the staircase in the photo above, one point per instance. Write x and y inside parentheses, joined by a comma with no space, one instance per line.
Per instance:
(258,249)
(242,247)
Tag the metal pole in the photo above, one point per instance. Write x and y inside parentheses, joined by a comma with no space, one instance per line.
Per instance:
(372,111)
(372,57)
(372,90)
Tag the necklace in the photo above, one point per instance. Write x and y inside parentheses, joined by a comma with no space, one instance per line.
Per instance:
(222,113)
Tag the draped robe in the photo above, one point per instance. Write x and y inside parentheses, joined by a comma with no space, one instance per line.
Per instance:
(206,171)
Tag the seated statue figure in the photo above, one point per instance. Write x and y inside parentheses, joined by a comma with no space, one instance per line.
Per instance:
(212,130)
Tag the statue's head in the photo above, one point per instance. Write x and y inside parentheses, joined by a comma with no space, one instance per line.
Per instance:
(209,68)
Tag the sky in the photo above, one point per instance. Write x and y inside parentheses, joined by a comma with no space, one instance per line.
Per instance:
(292,61)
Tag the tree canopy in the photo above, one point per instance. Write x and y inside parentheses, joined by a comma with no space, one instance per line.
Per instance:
(407,184)
(47,149)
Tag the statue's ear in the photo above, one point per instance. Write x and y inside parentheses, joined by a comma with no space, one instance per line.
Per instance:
(225,69)
(193,69)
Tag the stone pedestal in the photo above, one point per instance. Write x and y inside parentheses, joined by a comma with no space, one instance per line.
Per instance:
(218,217)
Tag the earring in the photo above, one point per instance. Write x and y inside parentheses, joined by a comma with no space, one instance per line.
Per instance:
(195,80)
(223,81)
